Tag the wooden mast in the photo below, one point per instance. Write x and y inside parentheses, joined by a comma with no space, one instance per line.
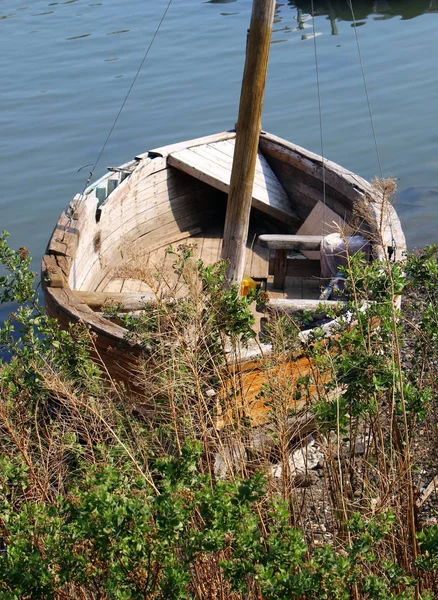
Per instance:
(247,139)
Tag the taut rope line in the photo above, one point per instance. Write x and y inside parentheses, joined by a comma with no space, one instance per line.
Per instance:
(99,156)
(350,4)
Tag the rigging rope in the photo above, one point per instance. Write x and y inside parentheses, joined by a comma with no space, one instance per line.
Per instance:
(99,156)
(350,3)
(321,128)
(366,88)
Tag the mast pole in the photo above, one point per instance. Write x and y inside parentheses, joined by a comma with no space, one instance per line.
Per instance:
(247,139)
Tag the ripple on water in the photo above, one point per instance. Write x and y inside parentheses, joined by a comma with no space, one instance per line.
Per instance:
(119,31)
(78,37)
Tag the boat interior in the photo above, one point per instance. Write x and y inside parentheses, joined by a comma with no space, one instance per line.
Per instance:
(178,196)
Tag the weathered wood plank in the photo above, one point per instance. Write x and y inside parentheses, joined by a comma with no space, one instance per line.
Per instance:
(149,220)
(114,285)
(293,306)
(167,228)
(65,237)
(263,176)
(322,221)
(166,150)
(280,264)
(152,219)
(266,198)
(126,301)
(259,263)
(163,187)
(53,275)
(303,268)
(341,179)
(132,285)
(290,242)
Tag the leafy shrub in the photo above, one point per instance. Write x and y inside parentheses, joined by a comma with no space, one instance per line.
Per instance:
(99,502)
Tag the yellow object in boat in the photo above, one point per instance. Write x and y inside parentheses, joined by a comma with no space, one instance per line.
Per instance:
(248,283)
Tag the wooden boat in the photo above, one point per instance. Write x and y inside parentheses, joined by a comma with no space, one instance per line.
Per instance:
(179,193)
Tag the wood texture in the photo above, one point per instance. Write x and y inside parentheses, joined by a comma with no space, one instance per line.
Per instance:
(303,268)
(322,221)
(290,242)
(292,306)
(126,301)
(214,167)
(247,138)
(164,151)
(280,264)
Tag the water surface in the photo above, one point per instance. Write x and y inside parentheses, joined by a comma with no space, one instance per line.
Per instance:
(66,67)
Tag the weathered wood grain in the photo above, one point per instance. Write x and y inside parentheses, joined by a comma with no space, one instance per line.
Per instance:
(268,196)
(164,151)
(290,242)
(292,306)
(322,221)
(125,301)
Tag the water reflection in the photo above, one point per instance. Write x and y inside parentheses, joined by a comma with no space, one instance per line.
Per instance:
(340,9)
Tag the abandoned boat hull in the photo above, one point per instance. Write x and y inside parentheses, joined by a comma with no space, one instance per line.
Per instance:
(176,194)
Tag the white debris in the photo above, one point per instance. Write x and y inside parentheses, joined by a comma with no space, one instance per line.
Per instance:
(301,460)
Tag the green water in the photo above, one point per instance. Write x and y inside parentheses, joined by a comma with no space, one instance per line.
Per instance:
(66,67)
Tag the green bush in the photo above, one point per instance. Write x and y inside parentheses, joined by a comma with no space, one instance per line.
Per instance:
(93,503)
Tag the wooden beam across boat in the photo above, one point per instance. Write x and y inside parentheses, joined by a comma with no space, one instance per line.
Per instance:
(212,163)
(290,242)
(125,302)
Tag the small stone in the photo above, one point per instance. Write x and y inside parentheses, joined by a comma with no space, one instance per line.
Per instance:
(301,460)
(332,437)
(304,480)
(260,441)
(362,444)
(359,449)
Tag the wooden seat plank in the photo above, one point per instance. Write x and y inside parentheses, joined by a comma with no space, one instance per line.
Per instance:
(290,242)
